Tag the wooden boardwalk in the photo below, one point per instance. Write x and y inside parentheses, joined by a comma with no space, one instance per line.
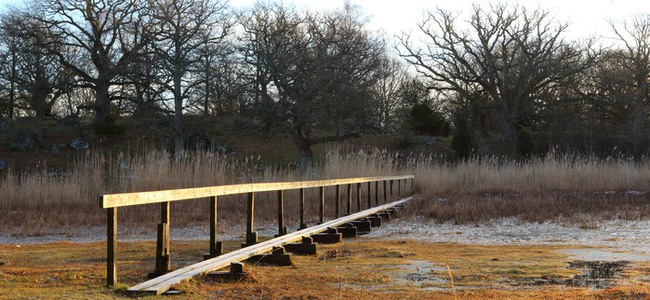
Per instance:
(163,283)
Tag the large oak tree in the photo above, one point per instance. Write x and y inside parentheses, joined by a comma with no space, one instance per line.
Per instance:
(499,61)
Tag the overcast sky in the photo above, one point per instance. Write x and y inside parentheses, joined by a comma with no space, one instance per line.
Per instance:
(586,17)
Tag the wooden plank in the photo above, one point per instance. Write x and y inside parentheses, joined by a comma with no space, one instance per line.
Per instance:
(163,283)
(127,199)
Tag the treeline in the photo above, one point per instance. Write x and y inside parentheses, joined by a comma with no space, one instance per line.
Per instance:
(504,81)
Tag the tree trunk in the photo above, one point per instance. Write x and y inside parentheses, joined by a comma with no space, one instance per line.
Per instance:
(303,145)
(638,136)
(102,102)
(178,112)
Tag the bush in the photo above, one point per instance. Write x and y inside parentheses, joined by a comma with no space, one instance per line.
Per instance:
(426,121)
(462,142)
(525,143)
(110,127)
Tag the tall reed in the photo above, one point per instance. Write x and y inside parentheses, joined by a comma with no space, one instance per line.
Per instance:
(42,198)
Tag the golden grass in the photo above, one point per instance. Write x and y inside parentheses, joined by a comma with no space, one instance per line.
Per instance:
(556,187)
(357,269)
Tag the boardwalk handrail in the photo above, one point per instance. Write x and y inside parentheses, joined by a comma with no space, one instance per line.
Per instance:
(139,198)
(111,202)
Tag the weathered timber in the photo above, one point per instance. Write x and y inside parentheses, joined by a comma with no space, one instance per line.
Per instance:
(331,236)
(163,283)
(362,225)
(307,246)
(216,247)
(348,230)
(139,198)
(375,220)
(282,229)
(111,249)
(277,257)
(303,224)
(236,273)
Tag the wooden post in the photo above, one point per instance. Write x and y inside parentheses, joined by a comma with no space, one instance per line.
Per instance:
(162,245)
(385,192)
(215,247)
(391,188)
(377,193)
(369,196)
(303,225)
(251,236)
(338,201)
(349,199)
(322,205)
(399,187)
(282,230)
(358,197)
(111,243)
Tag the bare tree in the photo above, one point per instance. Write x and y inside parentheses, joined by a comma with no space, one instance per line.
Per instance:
(35,75)
(315,73)
(501,63)
(388,95)
(635,37)
(107,34)
(186,26)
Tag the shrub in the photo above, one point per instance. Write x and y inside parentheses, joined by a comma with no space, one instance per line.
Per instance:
(426,121)
(525,143)
(110,127)
(462,142)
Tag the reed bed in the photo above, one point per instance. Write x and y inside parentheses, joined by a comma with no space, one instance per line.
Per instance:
(557,187)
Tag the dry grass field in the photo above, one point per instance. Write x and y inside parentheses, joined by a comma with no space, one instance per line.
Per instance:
(565,189)
(362,268)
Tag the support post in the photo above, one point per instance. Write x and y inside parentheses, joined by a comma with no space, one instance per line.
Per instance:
(303,224)
(111,243)
(377,193)
(282,229)
(358,197)
(385,192)
(215,245)
(321,209)
(251,236)
(349,199)
(162,245)
(369,196)
(338,201)
(392,183)
(399,187)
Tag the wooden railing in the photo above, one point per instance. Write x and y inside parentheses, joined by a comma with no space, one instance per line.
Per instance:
(112,202)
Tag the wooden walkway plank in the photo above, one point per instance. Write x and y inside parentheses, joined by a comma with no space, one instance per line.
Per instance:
(163,283)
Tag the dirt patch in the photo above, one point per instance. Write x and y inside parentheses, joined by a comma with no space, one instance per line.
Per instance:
(597,274)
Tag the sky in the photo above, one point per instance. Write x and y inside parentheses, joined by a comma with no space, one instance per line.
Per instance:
(585,17)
